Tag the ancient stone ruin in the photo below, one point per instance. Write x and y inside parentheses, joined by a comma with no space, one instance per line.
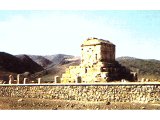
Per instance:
(98,65)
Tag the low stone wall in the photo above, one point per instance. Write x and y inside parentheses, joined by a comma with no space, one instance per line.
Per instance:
(112,92)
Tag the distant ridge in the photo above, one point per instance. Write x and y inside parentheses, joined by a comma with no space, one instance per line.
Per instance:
(49,66)
(126,58)
(41,60)
(149,68)
(29,64)
(58,58)
(18,64)
(134,58)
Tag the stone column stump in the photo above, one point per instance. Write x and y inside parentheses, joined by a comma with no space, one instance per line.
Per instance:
(11,79)
(39,80)
(25,80)
(57,79)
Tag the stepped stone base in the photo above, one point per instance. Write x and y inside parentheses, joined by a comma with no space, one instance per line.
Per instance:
(97,64)
(115,72)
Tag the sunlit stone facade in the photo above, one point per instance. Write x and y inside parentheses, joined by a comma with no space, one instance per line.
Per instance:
(98,64)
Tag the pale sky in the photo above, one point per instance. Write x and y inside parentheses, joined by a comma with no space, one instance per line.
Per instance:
(135,33)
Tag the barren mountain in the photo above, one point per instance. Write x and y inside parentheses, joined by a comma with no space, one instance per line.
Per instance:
(10,63)
(149,68)
(51,65)
(42,61)
(19,64)
(57,69)
(58,58)
(30,65)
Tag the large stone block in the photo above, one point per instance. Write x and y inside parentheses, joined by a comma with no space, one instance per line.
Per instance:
(98,56)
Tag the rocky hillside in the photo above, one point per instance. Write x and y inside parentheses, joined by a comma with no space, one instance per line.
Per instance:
(38,66)
(147,68)
(30,65)
(41,60)
(58,58)
(51,65)
(57,67)
(18,64)
(144,67)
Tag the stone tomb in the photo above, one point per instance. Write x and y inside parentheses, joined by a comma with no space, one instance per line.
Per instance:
(98,64)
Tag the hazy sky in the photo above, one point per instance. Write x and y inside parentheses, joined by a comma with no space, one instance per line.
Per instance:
(135,33)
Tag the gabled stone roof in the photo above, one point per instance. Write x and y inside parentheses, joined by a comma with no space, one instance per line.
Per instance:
(95,41)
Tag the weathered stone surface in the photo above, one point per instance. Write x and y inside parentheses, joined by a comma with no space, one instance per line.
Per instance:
(110,93)
(39,80)
(11,79)
(20,78)
(57,79)
(98,64)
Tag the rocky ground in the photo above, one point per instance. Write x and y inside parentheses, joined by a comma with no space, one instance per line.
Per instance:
(44,104)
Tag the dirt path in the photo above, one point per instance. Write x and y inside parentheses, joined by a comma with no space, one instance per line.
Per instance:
(7,103)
